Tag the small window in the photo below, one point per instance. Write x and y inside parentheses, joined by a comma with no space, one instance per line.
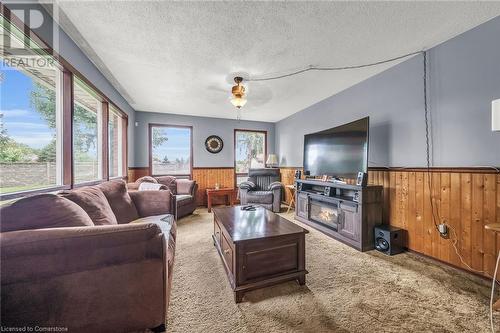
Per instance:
(87,131)
(249,152)
(30,118)
(170,148)
(115,141)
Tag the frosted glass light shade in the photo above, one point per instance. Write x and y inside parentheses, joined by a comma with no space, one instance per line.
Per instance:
(495,115)
(239,101)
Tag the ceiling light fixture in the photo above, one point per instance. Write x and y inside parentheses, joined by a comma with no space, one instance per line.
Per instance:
(238,92)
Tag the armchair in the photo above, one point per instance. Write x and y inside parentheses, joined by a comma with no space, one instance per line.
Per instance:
(263,187)
(183,190)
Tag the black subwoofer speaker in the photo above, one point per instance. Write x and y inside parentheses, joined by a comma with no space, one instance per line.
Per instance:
(388,240)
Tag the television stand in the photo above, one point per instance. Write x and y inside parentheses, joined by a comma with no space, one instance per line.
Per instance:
(345,212)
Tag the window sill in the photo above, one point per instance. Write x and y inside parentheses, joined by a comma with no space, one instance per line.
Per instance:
(89,183)
(176,176)
(16,195)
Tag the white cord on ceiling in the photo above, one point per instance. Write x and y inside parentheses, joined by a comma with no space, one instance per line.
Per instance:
(274,76)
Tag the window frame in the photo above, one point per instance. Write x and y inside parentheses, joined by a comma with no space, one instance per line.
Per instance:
(122,140)
(102,120)
(239,174)
(68,75)
(150,146)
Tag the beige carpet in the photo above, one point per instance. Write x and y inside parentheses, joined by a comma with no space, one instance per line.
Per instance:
(346,291)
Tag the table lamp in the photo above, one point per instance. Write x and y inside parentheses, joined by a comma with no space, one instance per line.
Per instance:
(272,160)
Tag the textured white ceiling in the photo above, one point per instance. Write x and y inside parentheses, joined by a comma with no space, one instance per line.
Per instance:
(175,57)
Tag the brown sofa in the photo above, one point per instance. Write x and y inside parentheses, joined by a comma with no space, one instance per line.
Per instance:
(183,189)
(95,259)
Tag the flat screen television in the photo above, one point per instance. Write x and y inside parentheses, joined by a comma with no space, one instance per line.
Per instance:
(338,152)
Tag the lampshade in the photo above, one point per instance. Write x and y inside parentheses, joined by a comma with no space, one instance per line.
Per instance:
(495,115)
(272,159)
(238,101)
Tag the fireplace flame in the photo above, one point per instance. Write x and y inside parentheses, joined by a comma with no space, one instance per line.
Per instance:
(326,214)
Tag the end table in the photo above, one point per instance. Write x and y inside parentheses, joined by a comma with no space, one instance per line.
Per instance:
(221,192)
(291,189)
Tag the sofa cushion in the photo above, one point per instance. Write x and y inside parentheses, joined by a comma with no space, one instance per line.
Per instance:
(263,197)
(185,186)
(170,182)
(183,199)
(94,203)
(119,200)
(150,203)
(42,211)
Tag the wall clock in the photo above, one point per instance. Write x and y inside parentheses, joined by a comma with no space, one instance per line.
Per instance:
(214,144)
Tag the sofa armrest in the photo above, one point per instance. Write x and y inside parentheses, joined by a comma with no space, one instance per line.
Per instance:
(247,185)
(150,203)
(277,189)
(242,195)
(43,253)
(133,186)
(274,186)
(194,190)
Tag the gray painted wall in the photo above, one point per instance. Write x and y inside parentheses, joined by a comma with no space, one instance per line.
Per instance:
(464,77)
(202,128)
(67,48)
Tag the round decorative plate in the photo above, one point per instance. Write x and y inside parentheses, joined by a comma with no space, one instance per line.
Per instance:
(214,144)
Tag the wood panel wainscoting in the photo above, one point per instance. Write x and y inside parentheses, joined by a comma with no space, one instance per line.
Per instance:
(207,177)
(464,198)
(135,173)
(204,177)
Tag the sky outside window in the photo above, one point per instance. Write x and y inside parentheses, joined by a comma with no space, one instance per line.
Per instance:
(21,120)
(171,150)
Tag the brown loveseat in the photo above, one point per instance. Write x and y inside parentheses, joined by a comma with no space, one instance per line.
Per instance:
(183,189)
(95,259)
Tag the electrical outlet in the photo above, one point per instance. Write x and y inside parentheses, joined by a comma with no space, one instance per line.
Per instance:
(443,230)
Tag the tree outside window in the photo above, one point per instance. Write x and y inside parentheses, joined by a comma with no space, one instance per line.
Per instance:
(28,128)
(250,152)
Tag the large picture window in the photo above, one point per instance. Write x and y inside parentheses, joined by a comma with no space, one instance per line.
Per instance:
(30,119)
(249,152)
(87,134)
(170,150)
(43,102)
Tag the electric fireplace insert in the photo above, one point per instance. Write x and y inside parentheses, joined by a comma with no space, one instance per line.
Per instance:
(326,213)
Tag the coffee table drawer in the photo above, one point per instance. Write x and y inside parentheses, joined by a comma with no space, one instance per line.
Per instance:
(217,233)
(227,252)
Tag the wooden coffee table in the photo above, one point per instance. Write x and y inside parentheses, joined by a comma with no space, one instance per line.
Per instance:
(221,192)
(258,248)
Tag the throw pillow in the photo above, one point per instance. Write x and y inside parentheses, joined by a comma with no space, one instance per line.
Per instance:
(119,200)
(94,202)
